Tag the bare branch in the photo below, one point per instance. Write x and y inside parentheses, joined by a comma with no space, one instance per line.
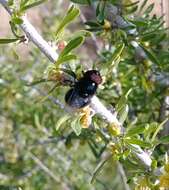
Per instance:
(44,168)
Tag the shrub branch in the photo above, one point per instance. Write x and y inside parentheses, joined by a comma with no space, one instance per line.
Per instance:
(96,105)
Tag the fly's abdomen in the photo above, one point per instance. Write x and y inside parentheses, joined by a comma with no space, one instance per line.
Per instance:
(74,100)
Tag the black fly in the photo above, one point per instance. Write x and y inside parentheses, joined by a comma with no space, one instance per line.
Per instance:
(83,89)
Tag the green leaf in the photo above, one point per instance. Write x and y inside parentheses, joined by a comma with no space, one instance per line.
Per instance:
(98,169)
(123,114)
(131,4)
(10,2)
(23,3)
(76,126)
(131,10)
(36,3)
(7,41)
(164,140)
(100,11)
(93,149)
(151,55)
(72,13)
(149,9)
(61,121)
(158,129)
(83,2)
(149,129)
(72,45)
(92,24)
(66,58)
(143,5)
(117,53)
(123,100)
(17,20)
(135,130)
(138,142)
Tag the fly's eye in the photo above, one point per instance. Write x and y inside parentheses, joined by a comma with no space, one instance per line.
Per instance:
(86,95)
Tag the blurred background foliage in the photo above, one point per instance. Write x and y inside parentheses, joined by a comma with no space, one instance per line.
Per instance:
(129,45)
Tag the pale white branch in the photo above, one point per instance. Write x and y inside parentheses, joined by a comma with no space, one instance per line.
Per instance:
(96,105)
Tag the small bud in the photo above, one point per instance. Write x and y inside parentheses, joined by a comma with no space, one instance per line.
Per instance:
(86,117)
(107,25)
(113,148)
(61,45)
(113,129)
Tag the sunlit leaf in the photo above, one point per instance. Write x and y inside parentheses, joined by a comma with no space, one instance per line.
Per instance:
(117,53)
(34,4)
(76,126)
(72,13)
(72,45)
(164,139)
(158,129)
(138,142)
(122,101)
(66,58)
(123,114)
(135,130)
(61,121)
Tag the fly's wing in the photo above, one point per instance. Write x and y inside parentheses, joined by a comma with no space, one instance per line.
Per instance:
(69,77)
(73,99)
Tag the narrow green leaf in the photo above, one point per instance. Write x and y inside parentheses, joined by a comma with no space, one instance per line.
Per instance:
(123,100)
(143,5)
(93,149)
(76,126)
(132,4)
(158,129)
(151,55)
(92,24)
(72,45)
(23,3)
(117,53)
(36,3)
(164,140)
(149,9)
(83,2)
(131,10)
(98,169)
(72,13)
(137,142)
(135,130)
(61,121)
(7,41)
(149,129)
(10,2)
(123,113)
(66,58)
